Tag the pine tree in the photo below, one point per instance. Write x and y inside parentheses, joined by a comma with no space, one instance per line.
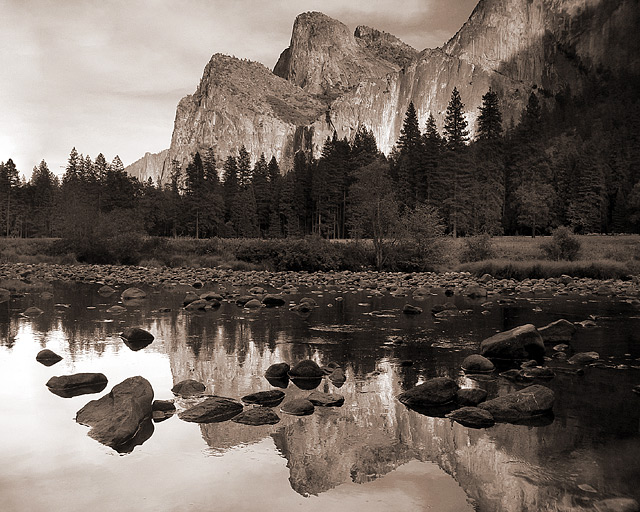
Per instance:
(261,191)
(244,167)
(44,185)
(9,183)
(490,119)
(432,149)
(455,124)
(410,169)
(275,189)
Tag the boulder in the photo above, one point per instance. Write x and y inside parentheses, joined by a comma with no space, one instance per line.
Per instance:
(48,357)
(303,307)
(188,387)
(189,298)
(273,300)
(77,380)
(476,363)
(410,309)
(277,371)
(584,358)
(538,372)
(257,416)
(559,331)
(162,410)
(198,305)
(325,399)
(252,304)
(269,398)
(470,396)
(106,290)
(117,417)
(213,410)
(447,306)
(307,369)
(211,296)
(529,402)
(473,417)
(298,407)
(337,377)
(475,292)
(521,343)
(243,299)
(310,301)
(434,392)
(136,338)
(116,309)
(132,294)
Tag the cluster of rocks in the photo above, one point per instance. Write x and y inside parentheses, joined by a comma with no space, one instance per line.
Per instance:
(522,346)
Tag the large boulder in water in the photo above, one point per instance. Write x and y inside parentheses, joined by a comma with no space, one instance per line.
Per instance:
(269,398)
(277,371)
(432,393)
(298,407)
(213,410)
(257,416)
(529,402)
(117,417)
(560,330)
(306,369)
(133,294)
(520,343)
(326,399)
(475,363)
(136,338)
(48,357)
(470,396)
(272,300)
(77,380)
(584,358)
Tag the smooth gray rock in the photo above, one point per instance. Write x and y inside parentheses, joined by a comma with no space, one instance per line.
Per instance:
(48,357)
(272,300)
(434,392)
(521,343)
(298,407)
(213,410)
(524,404)
(133,293)
(77,380)
(188,387)
(584,358)
(306,369)
(476,363)
(559,331)
(277,371)
(472,417)
(269,398)
(257,416)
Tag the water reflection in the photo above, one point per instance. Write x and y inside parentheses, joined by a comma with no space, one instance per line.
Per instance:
(593,440)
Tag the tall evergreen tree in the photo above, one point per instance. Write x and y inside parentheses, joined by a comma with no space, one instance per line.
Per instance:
(410,168)
(455,124)
(490,118)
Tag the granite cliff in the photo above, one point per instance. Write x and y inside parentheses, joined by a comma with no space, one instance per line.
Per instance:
(330,78)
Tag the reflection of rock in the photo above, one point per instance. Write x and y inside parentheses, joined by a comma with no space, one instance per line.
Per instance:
(48,357)
(532,401)
(32,311)
(307,384)
(213,410)
(133,294)
(162,409)
(116,419)
(472,417)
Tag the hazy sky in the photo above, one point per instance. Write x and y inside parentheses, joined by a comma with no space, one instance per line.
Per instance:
(106,75)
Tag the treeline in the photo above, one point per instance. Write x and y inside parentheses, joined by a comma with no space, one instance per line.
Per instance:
(571,160)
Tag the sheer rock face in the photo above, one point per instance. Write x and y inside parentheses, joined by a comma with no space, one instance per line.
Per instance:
(151,165)
(336,79)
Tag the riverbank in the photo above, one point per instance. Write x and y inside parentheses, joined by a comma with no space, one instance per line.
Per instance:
(600,256)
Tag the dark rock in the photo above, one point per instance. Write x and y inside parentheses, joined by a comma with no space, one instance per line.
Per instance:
(584,358)
(337,377)
(476,363)
(406,362)
(252,304)
(273,300)
(106,290)
(560,330)
(213,410)
(448,292)
(132,294)
(189,298)
(562,356)
(32,311)
(279,382)
(325,399)
(307,369)
(434,392)
(117,417)
(211,297)
(529,402)
(447,306)
(136,338)
(520,343)
(473,417)
(163,405)
(197,284)
(308,300)
(277,371)
(470,396)
(562,347)
(115,309)
(486,278)
(77,380)
(409,309)
(198,305)
(188,387)
(530,363)
(269,398)
(298,407)
(257,416)
(242,300)
(48,357)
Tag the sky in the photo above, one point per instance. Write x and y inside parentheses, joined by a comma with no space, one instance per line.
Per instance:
(105,76)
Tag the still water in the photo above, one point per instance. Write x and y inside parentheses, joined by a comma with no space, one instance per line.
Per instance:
(370,454)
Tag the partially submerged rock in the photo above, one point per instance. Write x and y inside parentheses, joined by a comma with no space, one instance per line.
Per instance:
(559,331)
(136,338)
(162,410)
(521,343)
(470,396)
(106,290)
(48,357)
(77,380)
(32,311)
(298,407)
(529,402)
(212,410)
(473,417)
(272,300)
(188,387)
(434,392)
(133,294)
(337,377)
(326,399)
(410,309)
(277,371)
(269,398)
(252,304)
(117,417)
(257,416)
(584,358)
(476,363)
(306,369)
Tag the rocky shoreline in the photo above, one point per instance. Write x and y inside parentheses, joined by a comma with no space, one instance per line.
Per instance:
(396,283)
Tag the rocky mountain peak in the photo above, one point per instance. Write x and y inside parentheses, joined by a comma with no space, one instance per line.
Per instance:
(324,57)
(385,45)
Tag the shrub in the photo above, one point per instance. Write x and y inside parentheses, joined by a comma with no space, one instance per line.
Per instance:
(562,246)
(477,248)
